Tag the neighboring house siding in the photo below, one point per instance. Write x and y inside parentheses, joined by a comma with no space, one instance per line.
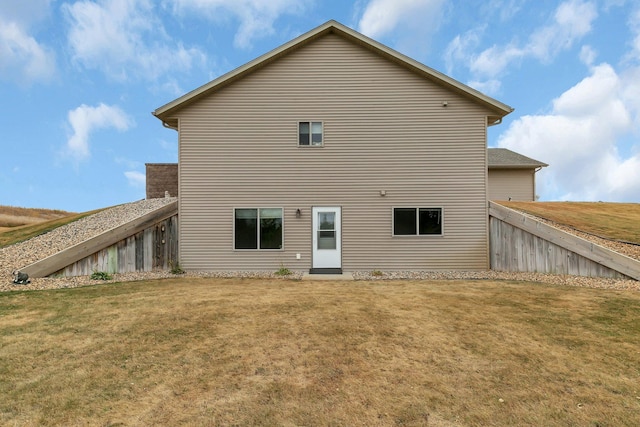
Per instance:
(384,129)
(512,184)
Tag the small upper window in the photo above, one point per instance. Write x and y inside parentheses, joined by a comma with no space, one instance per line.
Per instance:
(309,133)
(417,221)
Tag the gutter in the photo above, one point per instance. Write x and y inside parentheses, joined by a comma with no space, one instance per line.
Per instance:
(168,126)
(165,124)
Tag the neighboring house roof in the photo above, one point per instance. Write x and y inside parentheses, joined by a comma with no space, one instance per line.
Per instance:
(499,110)
(501,158)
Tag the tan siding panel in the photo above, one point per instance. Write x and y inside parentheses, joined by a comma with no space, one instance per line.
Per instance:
(384,129)
(511,184)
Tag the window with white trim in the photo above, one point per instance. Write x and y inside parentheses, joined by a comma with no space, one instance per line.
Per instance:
(417,221)
(257,229)
(310,134)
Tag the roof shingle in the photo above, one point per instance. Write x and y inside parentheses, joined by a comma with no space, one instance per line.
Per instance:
(502,158)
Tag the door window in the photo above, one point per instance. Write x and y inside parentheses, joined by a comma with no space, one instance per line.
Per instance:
(326,230)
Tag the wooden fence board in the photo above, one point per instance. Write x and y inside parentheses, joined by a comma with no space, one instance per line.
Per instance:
(134,253)
(521,243)
(139,251)
(148,249)
(58,262)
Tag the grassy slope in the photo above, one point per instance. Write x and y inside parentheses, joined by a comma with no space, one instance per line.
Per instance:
(18,234)
(618,221)
(22,216)
(277,352)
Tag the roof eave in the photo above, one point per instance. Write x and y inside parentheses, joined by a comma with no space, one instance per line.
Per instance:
(163,112)
(500,110)
(541,165)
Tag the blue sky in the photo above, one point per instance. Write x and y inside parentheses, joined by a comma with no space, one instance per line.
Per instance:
(79,80)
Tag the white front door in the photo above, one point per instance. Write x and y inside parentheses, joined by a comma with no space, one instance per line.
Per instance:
(327,238)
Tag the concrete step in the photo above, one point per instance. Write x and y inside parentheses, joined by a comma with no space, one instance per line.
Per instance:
(343,276)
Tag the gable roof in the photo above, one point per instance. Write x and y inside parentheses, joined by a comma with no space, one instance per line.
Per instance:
(501,158)
(166,112)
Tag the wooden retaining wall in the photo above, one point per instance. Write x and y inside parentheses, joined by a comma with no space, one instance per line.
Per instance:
(145,243)
(155,248)
(521,243)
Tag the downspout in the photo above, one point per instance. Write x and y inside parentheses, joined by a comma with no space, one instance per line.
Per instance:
(535,196)
(168,126)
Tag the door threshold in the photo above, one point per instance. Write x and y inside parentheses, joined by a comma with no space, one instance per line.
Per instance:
(325,271)
(328,277)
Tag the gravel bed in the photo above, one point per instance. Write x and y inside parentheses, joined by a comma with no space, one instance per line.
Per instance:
(587,282)
(19,255)
(555,279)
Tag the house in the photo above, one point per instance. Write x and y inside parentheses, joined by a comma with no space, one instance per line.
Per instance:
(333,152)
(512,175)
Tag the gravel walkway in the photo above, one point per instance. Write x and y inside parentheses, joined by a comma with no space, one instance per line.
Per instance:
(22,254)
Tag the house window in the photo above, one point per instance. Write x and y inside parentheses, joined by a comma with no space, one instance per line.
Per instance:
(258,229)
(310,133)
(417,221)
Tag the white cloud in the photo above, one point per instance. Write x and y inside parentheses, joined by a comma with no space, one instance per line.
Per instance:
(457,51)
(486,86)
(256,16)
(381,17)
(631,94)
(23,58)
(571,21)
(492,61)
(125,38)
(588,55)
(85,119)
(507,8)
(581,139)
(136,179)
(634,25)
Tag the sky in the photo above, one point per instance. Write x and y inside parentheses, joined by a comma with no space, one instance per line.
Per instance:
(79,80)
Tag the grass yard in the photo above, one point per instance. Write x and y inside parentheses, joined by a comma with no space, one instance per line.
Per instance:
(277,352)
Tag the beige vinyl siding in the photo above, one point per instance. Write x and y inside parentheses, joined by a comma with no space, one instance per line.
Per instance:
(512,184)
(384,129)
